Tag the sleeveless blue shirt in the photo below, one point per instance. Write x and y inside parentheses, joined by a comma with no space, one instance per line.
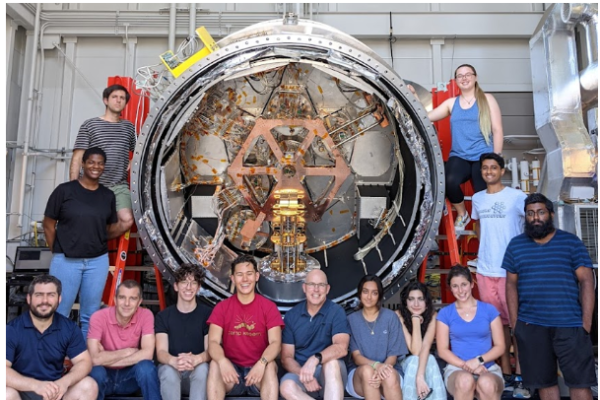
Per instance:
(468,142)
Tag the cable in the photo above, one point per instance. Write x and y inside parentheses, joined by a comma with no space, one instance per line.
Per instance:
(392,40)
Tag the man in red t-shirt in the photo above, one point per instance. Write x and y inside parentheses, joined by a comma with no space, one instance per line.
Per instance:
(244,339)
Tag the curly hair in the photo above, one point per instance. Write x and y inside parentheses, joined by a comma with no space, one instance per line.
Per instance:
(187,269)
(405,312)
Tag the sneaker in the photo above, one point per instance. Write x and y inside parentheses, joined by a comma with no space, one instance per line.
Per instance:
(472,264)
(509,382)
(461,223)
(520,392)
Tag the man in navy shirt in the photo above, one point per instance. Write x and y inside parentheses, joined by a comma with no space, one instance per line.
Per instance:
(315,339)
(36,345)
(550,296)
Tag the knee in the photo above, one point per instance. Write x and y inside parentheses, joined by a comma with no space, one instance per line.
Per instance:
(464,382)
(144,370)
(288,388)
(168,375)
(488,384)
(364,372)
(331,367)
(88,386)
(392,381)
(126,218)
(271,369)
(12,394)
(200,372)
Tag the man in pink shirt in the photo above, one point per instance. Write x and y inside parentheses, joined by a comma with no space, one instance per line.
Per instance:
(121,343)
(244,339)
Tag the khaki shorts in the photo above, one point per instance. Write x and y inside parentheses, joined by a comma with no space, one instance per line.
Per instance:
(122,195)
(450,369)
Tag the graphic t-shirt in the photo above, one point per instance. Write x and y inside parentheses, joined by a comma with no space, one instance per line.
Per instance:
(501,217)
(245,327)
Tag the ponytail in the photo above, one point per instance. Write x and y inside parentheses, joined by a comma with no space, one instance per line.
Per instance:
(485,120)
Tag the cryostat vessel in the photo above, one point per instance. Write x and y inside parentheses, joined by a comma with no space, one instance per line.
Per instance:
(295,143)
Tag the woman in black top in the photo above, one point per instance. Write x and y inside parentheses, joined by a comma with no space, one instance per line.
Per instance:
(79,217)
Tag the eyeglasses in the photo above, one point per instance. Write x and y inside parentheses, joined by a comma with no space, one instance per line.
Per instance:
(467,75)
(539,213)
(188,283)
(316,285)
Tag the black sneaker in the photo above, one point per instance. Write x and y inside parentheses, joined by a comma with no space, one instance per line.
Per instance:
(509,382)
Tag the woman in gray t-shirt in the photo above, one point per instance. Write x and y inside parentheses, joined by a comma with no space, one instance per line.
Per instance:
(376,345)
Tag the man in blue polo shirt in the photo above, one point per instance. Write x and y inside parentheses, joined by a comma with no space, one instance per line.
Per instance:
(36,345)
(550,296)
(315,339)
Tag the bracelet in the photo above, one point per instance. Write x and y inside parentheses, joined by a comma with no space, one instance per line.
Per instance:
(418,316)
(374,365)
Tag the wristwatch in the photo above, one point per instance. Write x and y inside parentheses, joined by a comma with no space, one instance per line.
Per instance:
(319,357)
(481,360)
(264,361)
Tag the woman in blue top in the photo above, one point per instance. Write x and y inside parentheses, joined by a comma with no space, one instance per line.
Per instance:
(476,124)
(376,344)
(469,338)
(422,377)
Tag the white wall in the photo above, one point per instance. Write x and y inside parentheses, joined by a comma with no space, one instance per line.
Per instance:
(70,94)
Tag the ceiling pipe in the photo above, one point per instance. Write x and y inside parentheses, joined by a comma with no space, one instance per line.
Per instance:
(34,49)
(172,26)
(192,20)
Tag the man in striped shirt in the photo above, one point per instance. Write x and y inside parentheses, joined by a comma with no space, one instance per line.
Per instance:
(550,296)
(116,136)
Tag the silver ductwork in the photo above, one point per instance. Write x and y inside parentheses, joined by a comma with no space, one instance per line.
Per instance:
(560,93)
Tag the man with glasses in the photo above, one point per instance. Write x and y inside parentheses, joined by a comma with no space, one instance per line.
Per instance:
(315,340)
(244,339)
(182,338)
(550,295)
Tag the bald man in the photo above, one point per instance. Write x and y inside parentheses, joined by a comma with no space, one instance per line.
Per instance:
(315,339)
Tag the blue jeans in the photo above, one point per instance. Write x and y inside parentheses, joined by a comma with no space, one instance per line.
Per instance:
(87,274)
(128,380)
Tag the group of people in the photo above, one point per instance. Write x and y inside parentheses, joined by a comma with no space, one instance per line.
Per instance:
(535,284)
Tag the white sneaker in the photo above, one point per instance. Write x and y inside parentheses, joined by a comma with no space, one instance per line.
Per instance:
(472,265)
(461,223)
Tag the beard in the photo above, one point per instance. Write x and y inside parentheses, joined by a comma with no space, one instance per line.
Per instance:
(539,231)
(40,315)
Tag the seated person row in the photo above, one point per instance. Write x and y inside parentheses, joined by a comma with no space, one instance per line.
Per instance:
(121,342)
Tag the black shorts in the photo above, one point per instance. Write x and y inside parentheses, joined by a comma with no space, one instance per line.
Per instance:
(30,396)
(539,349)
(240,389)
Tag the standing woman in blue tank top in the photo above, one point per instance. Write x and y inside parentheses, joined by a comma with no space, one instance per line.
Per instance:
(476,124)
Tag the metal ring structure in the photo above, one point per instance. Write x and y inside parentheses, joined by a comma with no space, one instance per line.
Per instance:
(202,178)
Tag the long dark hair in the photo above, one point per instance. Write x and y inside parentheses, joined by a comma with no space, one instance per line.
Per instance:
(405,312)
(371,278)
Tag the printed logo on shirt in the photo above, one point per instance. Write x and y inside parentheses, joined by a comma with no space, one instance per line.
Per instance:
(244,326)
(498,210)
